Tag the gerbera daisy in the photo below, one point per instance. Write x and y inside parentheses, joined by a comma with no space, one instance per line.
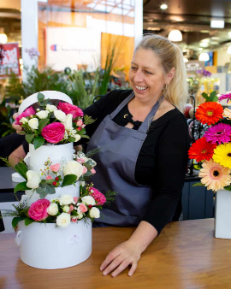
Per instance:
(209,112)
(219,133)
(201,150)
(227,113)
(225,96)
(222,155)
(214,176)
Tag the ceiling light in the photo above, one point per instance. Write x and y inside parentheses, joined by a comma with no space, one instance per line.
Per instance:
(229,49)
(3,37)
(204,57)
(153,28)
(175,36)
(185,59)
(217,23)
(204,44)
(164,6)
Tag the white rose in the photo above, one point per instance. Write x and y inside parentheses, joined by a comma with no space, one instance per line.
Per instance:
(94,213)
(80,216)
(60,115)
(23,120)
(77,137)
(68,122)
(66,208)
(73,168)
(88,200)
(33,123)
(51,107)
(66,199)
(33,179)
(53,209)
(42,114)
(63,220)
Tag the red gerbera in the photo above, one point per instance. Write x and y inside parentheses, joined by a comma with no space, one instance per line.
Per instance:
(209,112)
(201,150)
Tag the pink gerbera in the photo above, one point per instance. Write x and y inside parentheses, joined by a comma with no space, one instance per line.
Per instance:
(225,96)
(219,133)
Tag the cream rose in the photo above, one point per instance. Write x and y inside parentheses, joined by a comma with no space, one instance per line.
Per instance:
(23,120)
(68,122)
(42,114)
(63,220)
(51,107)
(33,123)
(94,213)
(33,179)
(80,216)
(60,115)
(53,209)
(66,208)
(73,168)
(77,137)
(88,200)
(66,200)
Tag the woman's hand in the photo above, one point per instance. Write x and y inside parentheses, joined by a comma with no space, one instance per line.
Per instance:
(18,128)
(125,254)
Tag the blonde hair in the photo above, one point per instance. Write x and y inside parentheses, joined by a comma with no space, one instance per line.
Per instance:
(170,56)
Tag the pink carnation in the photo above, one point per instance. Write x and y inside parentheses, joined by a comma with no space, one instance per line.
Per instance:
(55,167)
(29,111)
(82,208)
(54,132)
(38,210)
(99,197)
(71,209)
(75,199)
(81,161)
(74,220)
(68,108)
(48,177)
(79,122)
(93,171)
(84,170)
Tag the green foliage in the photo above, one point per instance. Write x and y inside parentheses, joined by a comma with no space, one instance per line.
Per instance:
(45,189)
(69,180)
(29,138)
(198,185)
(6,119)
(21,187)
(38,142)
(228,188)
(110,196)
(93,152)
(28,221)
(21,168)
(210,98)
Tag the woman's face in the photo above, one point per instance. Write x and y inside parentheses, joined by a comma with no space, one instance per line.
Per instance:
(146,75)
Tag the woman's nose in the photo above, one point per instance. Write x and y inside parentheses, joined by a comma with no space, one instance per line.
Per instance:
(138,76)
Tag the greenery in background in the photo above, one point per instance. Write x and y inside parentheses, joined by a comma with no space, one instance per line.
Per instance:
(6,119)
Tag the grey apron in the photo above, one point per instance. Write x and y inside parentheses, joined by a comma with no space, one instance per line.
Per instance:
(115,170)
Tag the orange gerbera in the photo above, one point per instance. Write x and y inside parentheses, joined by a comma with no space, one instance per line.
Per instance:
(201,150)
(209,112)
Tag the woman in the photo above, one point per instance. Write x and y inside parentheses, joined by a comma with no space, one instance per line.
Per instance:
(144,141)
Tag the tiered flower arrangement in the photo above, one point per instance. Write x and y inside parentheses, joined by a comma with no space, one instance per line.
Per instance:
(213,150)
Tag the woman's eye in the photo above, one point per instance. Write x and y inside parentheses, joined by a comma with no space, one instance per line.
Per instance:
(148,72)
(133,68)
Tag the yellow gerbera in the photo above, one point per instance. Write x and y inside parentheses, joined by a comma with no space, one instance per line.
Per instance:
(222,155)
(214,176)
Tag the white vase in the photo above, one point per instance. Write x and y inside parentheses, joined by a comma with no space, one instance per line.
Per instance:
(223,214)
(46,246)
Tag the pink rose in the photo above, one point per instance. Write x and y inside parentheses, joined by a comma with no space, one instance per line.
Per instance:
(79,122)
(99,197)
(29,111)
(48,177)
(81,161)
(82,208)
(75,199)
(93,171)
(38,210)
(68,108)
(74,220)
(54,132)
(55,168)
(71,209)
(84,170)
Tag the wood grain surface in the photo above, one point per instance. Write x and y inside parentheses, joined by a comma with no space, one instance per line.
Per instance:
(185,255)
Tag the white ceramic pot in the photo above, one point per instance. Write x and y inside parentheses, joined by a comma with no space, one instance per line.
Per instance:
(46,246)
(72,190)
(223,214)
(56,153)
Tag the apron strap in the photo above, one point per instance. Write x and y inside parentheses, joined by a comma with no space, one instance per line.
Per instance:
(122,105)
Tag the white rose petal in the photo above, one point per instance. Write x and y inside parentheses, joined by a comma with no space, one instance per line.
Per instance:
(66,208)
(33,179)
(80,216)
(23,120)
(68,122)
(66,200)
(60,115)
(42,114)
(73,168)
(53,209)
(88,200)
(77,137)
(94,213)
(63,220)
(33,123)
(51,107)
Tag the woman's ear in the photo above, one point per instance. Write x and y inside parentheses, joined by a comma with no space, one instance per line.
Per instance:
(169,76)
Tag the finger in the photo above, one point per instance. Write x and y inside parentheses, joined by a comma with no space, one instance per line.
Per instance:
(121,267)
(17,127)
(110,257)
(133,268)
(114,264)
(15,115)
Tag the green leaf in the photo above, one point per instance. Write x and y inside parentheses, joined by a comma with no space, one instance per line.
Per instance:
(213,96)
(38,142)
(16,220)
(228,188)
(198,185)
(21,168)
(71,139)
(29,138)
(69,180)
(85,136)
(28,221)
(40,97)
(49,182)
(42,124)
(45,189)
(206,97)
(21,187)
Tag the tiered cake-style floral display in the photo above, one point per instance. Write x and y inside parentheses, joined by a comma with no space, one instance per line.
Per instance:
(212,152)
(55,215)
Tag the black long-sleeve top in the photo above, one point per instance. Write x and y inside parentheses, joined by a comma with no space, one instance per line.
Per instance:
(162,159)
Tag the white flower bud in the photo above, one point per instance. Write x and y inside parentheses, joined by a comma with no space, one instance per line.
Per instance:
(94,213)
(33,179)
(66,200)
(23,120)
(53,209)
(63,220)
(66,209)
(51,107)
(60,115)
(73,168)
(42,114)
(68,122)
(88,200)
(33,123)
(77,137)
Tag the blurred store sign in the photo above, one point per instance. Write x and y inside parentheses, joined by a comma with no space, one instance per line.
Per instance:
(10,61)
(194,65)
(73,47)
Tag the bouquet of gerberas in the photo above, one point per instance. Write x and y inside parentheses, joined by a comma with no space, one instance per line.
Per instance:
(52,124)
(213,150)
